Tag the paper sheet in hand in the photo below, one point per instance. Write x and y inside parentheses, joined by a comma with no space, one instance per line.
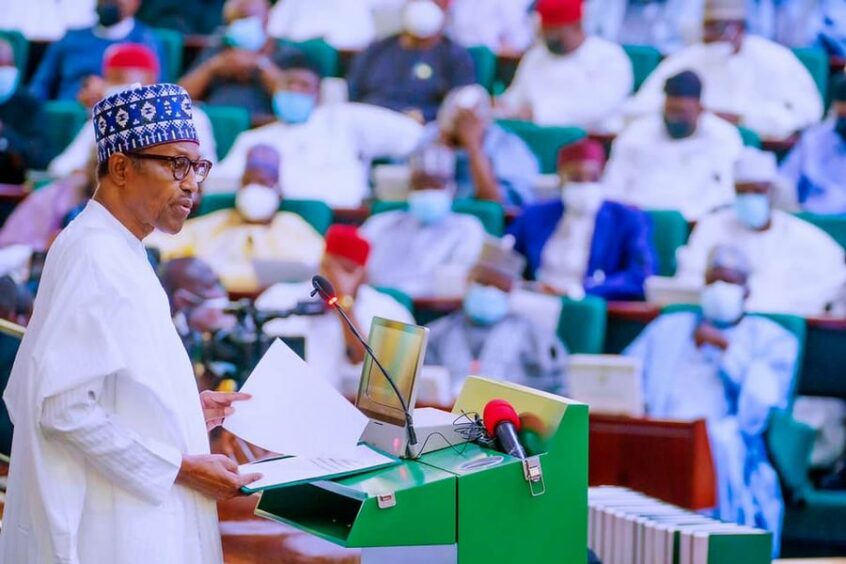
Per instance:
(297,469)
(293,410)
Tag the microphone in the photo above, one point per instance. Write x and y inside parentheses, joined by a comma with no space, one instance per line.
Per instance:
(324,289)
(501,421)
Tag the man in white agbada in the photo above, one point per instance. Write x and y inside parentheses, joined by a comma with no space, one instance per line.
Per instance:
(503,26)
(569,78)
(110,458)
(680,160)
(730,369)
(417,250)
(326,149)
(330,347)
(747,79)
(796,267)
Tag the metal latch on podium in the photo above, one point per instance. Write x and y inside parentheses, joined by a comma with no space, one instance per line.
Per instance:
(533,473)
(386,500)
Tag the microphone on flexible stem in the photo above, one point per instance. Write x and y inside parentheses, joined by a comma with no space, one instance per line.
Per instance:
(501,421)
(324,289)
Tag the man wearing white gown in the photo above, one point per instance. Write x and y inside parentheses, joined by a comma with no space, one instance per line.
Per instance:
(110,457)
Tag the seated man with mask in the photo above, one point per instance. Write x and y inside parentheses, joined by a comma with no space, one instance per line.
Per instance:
(795,266)
(584,243)
(327,149)
(730,369)
(331,348)
(412,249)
(229,240)
(487,339)
(680,160)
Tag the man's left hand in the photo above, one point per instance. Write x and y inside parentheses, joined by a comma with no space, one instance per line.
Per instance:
(218,405)
(707,334)
(469,128)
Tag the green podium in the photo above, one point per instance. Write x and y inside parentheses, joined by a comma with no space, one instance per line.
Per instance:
(466,504)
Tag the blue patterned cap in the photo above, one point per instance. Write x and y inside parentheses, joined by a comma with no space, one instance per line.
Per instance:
(141,117)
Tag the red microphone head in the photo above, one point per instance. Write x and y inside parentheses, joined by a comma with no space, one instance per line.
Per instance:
(496,411)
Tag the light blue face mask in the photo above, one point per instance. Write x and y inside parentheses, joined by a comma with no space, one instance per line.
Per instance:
(485,305)
(753,210)
(8,82)
(292,107)
(429,206)
(246,33)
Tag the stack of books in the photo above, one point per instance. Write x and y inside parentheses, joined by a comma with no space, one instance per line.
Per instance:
(627,527)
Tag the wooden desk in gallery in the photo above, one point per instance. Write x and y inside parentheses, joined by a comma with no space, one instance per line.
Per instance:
(669,460)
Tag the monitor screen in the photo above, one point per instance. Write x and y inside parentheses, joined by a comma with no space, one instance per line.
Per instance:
(400,348)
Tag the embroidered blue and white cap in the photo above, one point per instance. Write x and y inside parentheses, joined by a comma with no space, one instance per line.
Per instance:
(142,116)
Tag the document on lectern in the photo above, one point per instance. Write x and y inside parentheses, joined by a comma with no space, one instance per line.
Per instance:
(294,411)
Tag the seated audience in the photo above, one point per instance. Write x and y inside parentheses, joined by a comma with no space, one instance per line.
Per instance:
(679,160)
(503,26)
(747,79)
(331,348)
(485,338)
(326,148)
(198,17)
(343,24)
(801,23)
(570,78)
(730,369)
(795,267)
(814,172)
(123,65)
(240,67)
(67,63)
(491,163)
(23,143)
(667,26)
(229,240)
(411,250)
(413,71)
(584,243)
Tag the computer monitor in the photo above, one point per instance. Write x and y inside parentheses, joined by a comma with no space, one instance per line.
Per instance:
(400,347)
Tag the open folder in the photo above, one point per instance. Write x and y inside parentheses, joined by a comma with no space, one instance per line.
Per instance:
(292,470)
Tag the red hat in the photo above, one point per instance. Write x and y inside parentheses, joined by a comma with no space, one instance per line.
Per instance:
(345,241)
(559,12)
(584,150)
(130,56)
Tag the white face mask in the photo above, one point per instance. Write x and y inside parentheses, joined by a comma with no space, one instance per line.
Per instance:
(422,18)
(257,203)
(582,198)
(722,302)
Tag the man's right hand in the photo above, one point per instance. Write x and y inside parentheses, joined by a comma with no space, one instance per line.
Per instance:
(707,334)
(213,475)
(235,64)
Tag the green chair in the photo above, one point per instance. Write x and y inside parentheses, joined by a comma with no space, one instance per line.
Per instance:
(485,62)
(490,214)
(20,47)
(66,118)
(669,232)
(399,296)
(544,141)
(319,52)
(316,213)
(816,61)
(645,59)
(834,225)
(581,326)
(750,138)
(227,122)
(172,44)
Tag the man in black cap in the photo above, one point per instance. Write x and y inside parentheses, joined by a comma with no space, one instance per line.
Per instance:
(680,159)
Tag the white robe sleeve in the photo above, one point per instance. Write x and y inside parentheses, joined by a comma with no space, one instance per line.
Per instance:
(144,467)
(75,156)
(380,132)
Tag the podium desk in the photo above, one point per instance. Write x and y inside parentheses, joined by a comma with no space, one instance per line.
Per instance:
(666,459)
(466,505)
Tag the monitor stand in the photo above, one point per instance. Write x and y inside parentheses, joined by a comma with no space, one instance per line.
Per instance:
(435,430)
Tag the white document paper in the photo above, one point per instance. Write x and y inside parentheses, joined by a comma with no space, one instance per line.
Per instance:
(294,411)
(301,469)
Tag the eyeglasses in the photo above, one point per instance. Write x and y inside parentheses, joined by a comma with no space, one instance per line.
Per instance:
(180,165)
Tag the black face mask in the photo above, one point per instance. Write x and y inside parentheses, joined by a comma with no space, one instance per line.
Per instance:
(840,127)
(679,129)
(108,14)
(555,46)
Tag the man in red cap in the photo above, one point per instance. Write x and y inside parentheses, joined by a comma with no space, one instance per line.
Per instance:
(123,65)
(584,244)
(570,78)
(331,347)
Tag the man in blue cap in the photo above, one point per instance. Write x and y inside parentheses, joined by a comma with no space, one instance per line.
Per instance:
(110,456)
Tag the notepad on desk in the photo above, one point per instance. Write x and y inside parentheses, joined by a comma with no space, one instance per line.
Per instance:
(293,470)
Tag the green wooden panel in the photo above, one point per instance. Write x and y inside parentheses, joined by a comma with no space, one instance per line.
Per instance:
(669,232)
(750,138)
(172,45)
(816,61)
(20,47)
(544,141)
(581,326)
(490,214)
(484,61)
(645,59)
(316,213)
(227,123)
(66,118)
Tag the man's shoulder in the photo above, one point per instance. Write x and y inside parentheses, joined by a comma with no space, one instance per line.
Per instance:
(641,132)
(465,222)
(717,129)
(763,48)
(601,47)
